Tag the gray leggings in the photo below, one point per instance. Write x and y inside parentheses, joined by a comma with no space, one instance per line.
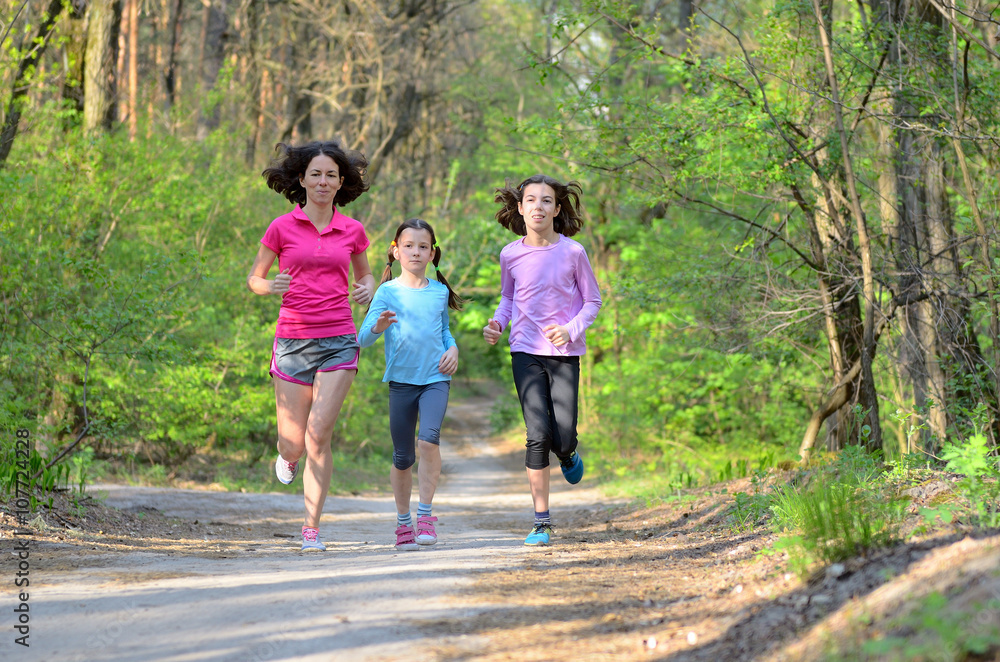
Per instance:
(547,387)
(407,403)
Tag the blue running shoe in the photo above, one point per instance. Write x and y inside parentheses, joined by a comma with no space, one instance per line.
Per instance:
(540,535)
(572,468)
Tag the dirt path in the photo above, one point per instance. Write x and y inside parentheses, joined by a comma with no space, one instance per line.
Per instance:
(244,591)
(193,576)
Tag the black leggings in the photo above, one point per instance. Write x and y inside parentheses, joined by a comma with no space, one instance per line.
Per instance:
(547,387)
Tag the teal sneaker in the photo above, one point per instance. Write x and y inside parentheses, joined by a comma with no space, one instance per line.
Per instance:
(540,535)
(572,468)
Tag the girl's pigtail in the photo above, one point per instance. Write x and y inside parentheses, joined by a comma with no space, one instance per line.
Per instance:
(387,272)
(454,301)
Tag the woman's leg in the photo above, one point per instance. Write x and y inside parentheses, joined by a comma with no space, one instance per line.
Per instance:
(293,402)
(328,393)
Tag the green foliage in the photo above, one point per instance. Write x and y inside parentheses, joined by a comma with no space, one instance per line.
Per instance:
(751,510)
(980,483)
(843,510)
(933,630)
(28,479)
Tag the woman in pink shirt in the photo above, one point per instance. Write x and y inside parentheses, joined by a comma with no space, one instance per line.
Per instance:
(315,355)
(549,296)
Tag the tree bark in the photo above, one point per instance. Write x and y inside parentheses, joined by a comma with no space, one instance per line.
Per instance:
(170,69)
(868,396)
(216,32)
(133,68)
(100,84)
(253,84)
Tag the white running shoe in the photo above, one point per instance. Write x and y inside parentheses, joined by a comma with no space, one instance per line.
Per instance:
(285,470)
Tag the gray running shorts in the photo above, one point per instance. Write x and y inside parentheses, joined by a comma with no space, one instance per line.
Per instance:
(297,360)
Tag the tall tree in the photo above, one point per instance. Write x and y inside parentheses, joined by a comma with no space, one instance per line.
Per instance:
(100,86)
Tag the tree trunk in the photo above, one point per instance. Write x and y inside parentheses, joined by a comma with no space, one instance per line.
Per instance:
(133,68)
(100,84)
(868,397)
(20,89)
(686,14)
(170,69)
(213,50)
(253,78)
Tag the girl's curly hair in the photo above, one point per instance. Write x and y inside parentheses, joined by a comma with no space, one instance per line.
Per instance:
(567,222)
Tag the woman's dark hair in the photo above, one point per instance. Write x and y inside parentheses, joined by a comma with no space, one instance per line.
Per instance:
(567,222)
(290,165)
(454,301)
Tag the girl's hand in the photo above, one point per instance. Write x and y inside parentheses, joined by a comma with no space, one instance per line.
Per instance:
(384,321)
(281,283)
(449,361)
(492,331)
(557,334)
(362,293)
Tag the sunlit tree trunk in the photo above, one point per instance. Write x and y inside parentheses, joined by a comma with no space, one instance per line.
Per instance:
(133,67)
(100,83)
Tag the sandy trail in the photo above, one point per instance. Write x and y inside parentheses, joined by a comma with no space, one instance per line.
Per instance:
(262,599)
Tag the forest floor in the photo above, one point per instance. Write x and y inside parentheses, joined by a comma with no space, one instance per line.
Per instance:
(169,574)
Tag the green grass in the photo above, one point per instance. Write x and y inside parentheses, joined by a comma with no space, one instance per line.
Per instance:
(932,630)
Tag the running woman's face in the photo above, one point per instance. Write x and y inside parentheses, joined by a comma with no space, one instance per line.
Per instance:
(414,250)
(322,180)
(538,208)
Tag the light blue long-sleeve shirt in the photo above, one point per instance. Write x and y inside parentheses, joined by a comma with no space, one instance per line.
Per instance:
(421,335)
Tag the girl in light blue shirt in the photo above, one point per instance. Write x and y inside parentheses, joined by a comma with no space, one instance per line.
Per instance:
(411,311)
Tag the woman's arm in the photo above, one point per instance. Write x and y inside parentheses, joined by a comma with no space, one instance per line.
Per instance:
(257,280)
(364,281)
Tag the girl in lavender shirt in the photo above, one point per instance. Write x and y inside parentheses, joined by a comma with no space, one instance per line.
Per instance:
(549,296)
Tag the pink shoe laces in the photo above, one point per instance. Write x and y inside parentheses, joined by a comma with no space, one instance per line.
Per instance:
(309,534)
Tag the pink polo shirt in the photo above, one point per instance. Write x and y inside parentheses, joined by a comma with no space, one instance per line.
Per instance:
(317,303)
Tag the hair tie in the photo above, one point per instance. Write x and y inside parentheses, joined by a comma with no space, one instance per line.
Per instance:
(393,243)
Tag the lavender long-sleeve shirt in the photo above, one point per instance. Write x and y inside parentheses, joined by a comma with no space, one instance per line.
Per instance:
(543,285)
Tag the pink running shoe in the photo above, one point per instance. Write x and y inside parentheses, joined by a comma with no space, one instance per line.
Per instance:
(311,541)
(404,538)
(426,535)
